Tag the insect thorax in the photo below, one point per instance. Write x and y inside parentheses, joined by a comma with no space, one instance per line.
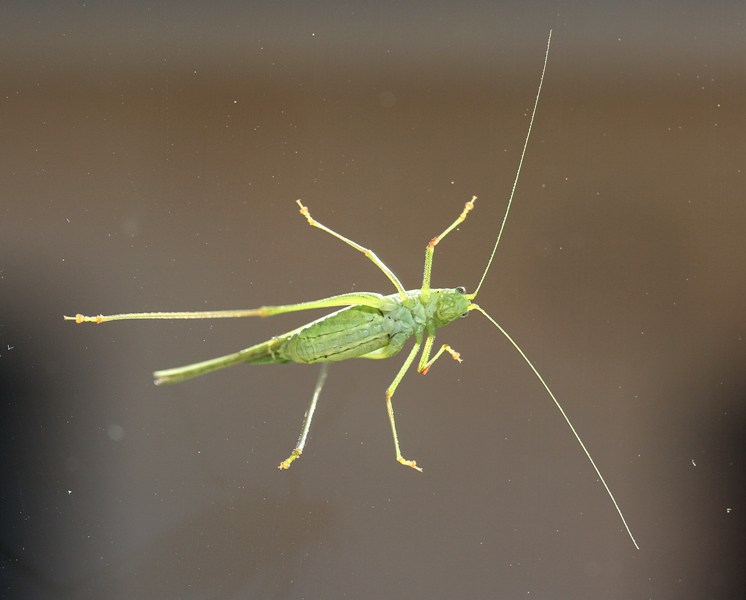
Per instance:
(416,314)
(446,305)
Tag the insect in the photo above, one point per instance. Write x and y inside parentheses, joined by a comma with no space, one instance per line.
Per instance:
(369,325)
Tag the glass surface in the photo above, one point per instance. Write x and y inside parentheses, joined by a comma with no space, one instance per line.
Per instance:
(151,157)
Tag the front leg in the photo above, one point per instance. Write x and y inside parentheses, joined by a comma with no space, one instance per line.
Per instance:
(426,362)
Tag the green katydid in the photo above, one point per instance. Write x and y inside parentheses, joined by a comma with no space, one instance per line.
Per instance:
(369,325)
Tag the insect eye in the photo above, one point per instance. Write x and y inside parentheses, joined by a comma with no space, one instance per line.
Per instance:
(461,289)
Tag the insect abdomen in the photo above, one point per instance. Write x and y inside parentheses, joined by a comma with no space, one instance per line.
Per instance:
(348,333)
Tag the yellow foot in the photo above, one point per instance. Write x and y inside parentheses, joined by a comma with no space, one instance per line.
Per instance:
(456,356)
(83,319)
(285,464)
(409,463)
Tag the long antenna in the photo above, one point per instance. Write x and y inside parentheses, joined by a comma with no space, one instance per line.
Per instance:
(473,306)
(567,420)
(518,172)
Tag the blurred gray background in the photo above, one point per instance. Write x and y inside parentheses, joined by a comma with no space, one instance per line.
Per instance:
(151,157)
